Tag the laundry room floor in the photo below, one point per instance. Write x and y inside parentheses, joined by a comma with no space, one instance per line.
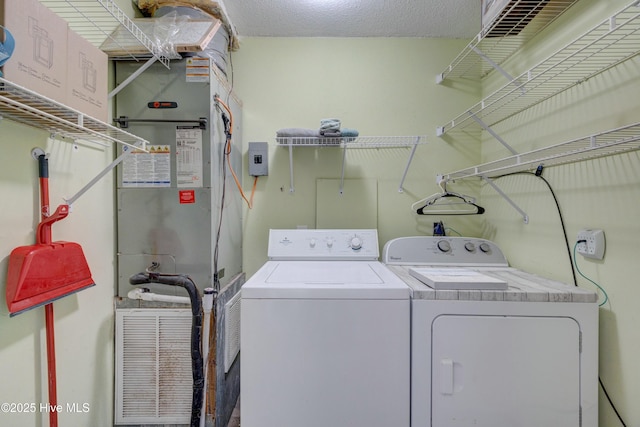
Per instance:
(234,421)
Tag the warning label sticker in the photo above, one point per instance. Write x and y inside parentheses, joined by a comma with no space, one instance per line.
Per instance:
(189,156)
(187,196)
(152,169)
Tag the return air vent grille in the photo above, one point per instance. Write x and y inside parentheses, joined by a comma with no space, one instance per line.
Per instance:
(232,331)
(514,17)
(153,366)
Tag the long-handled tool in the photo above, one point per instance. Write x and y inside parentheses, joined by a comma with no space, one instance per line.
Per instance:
(42,273)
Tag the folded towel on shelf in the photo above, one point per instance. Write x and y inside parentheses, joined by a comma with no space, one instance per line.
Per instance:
(330,124)
(297,133)
(349,133)
(331,134)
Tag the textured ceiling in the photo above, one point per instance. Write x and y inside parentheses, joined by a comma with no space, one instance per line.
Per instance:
(355,18)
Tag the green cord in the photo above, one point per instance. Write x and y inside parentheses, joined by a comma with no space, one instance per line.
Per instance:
(575,260)
(449,228)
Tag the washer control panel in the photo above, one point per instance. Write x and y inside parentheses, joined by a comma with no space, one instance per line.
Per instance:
(443,250)
(335,244)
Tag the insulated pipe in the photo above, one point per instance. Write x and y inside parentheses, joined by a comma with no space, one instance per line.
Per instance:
(145,295)
(207,306)
(185,281)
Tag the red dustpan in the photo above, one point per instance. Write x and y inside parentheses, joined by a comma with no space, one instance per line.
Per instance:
(44,272)
(41,273)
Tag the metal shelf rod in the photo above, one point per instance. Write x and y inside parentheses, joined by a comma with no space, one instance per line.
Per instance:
(615,141)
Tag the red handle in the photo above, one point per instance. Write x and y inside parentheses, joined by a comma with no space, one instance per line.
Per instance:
(43,234)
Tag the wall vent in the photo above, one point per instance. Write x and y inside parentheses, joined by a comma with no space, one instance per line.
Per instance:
(502,18)
(232,331)
(513,16)
(153,366)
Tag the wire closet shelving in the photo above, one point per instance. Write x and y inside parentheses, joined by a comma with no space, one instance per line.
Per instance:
(27,107)
(94,20)
(97,20)
(347,143)
(616,141)
(519,22)
(609,43)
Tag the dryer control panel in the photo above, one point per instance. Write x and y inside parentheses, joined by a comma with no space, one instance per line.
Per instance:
(335,244)
(443,250)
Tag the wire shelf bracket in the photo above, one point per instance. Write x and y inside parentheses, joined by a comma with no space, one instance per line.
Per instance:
(498,190)
(27,107)
(501,70)
(347,143)
(492,133)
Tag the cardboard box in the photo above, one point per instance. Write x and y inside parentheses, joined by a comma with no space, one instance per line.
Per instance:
(39,62)
(87,89)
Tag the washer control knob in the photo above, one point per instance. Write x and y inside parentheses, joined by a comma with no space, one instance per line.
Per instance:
(355,243)
(444,246)
(312,243)
(485,247)
(470,247)
(329,243)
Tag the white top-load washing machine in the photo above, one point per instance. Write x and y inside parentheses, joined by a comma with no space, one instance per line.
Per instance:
(325,334)
(493,346)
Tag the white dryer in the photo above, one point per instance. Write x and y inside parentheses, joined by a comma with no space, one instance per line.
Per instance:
(325,334)
(525,355)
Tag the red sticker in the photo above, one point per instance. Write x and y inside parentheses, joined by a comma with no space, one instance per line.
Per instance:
(187,196)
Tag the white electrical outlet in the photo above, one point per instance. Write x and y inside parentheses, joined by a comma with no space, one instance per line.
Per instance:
(591,243)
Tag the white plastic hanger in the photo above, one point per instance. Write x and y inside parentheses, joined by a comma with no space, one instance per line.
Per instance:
(446,203)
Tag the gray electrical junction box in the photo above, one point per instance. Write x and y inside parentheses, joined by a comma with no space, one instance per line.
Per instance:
(258,158)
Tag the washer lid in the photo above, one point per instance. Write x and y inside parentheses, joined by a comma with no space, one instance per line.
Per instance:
(325,280)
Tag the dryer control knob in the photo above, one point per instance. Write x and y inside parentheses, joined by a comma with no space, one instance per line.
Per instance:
(312,243)
(444,246)
(330,243)
(470,247)
(484,247)
(355,243)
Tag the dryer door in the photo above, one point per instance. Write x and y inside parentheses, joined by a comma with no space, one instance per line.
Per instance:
(505,371)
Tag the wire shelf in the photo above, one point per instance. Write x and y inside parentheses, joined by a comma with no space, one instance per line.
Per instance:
(616,141)
(28,107)
(347,143)
(353,142)
(96,21)
(520,21)
(611,42)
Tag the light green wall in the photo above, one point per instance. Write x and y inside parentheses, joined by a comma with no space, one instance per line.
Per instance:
(386,87)
(83,321)
(602,193)
(381,87)
(378,86)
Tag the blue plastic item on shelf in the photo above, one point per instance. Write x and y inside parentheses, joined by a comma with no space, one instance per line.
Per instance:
(7,47)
